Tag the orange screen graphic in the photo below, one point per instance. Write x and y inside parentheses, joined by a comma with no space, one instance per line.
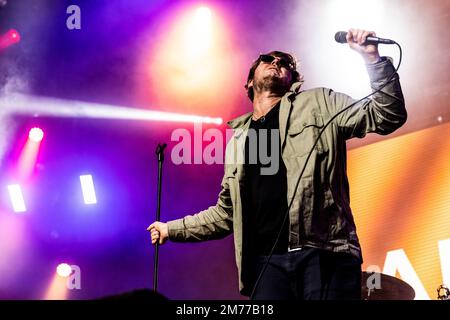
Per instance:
(400,197)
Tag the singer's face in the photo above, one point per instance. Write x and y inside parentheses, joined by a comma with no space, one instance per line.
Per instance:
(272,75)
(275,68)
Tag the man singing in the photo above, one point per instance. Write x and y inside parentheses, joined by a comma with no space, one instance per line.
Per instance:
(295,240)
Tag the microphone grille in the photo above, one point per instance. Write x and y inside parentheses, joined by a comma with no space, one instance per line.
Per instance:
(340,37)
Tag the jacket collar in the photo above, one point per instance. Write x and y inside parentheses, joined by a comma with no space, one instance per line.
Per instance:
(294,90)
(240,121)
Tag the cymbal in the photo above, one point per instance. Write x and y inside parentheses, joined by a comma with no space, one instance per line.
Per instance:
(389,288)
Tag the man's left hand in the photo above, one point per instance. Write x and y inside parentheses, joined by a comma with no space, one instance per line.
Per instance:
(356,39)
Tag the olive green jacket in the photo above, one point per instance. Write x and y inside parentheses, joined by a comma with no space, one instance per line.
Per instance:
(320,215)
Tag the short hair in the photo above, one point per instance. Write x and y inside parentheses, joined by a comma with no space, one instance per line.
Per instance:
(295,75)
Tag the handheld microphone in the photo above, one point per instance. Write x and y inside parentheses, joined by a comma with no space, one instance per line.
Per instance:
(340,37)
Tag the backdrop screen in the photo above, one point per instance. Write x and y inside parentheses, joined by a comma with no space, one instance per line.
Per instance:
(400,197)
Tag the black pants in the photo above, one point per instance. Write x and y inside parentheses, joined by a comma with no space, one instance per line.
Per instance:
(309,274)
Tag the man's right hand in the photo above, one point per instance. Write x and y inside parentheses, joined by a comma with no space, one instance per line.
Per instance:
(159,230)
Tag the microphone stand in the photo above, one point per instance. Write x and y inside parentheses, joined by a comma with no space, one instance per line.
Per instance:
(160,155)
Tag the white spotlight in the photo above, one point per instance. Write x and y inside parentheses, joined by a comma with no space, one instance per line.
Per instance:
(36,134)
(203,14)
(87,187)
(199,34)
(15,193)
(63,270)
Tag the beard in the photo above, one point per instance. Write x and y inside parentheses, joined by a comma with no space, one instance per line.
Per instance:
(272,83)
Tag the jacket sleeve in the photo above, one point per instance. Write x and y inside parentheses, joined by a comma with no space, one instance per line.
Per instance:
(382,113)
(216,222)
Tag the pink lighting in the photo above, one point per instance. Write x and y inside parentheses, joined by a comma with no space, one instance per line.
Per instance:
(9,38)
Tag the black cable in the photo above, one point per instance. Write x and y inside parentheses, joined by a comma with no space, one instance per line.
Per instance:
(306,162)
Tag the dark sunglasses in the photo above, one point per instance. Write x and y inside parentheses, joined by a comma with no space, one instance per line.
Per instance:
(282,62)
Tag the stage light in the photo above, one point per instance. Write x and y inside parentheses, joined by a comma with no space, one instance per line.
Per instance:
(15,194)
(192,58)
(64,270)
(354,13)
(323,53)
(198,35)
(57,288)
(14,35)
(9,38)
(203,15)
(36,134)
(27,159)
(34,105)
(87,187)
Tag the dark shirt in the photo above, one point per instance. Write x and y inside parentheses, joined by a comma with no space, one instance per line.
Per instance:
(265,202)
